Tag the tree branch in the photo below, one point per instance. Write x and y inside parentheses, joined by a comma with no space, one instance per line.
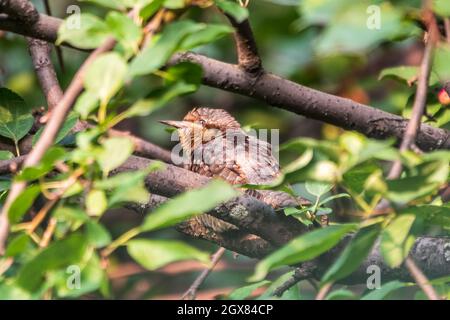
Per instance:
(305,271)
(280,93)
(247,50)
(40,54)
(48,135)
(430,253)
(192,291)
(311,103)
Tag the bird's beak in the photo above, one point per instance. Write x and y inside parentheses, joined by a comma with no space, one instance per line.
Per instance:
(176,124)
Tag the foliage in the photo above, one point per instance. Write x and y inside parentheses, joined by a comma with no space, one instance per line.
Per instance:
(78,175)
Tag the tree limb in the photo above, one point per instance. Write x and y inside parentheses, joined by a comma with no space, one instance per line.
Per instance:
(40,54)
(247,50)
(432,254)
(279,92)
(48,135)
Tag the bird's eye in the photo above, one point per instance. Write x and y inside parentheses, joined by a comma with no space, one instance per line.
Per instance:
(202,122)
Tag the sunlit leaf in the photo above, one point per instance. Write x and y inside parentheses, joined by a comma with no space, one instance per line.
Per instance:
(245,292)
(233,9)
(85,31)
(105,76)
(384,291)
(67,126)
(396,240)
(59,254)
(305,247)
(154,254)
(354,253)
(96,202)
(22,203)
(189,204)
(115,151)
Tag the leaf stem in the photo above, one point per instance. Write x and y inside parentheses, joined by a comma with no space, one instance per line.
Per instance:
(120,241)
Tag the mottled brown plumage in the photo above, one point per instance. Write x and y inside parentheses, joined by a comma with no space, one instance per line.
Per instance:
(215,145)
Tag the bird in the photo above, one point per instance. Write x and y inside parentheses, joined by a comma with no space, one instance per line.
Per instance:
(215,145)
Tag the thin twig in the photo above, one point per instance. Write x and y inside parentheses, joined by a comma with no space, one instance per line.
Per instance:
(191,293)
(59,54)
(247,50)
(324,291)
(301,273)
(419,107)
(49,134)
(48,233)
(421,279)
(418,110)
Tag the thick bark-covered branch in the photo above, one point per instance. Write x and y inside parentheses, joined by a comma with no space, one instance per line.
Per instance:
(247,50)
(255,216)
(40,54)
(311,103)
(431,254)
(280,93)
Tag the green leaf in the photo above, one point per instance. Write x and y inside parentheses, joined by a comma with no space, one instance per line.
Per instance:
(174,4)
(189,204)
(17,245)
(432,214)
(303,248)
(209,33)
(84,31)
(233,9)
(96,202)
(128,186)
(317,188)
(114,152)
(125,31)
(10,291)
(154,254)
(348,31)
(60,254)
(97,234)
(334,197)
(92,277)
(442,8)
(321,12)
(86,103)
(46,165)
(6,155)
(384,291)
(405,73)
(71,214)
(156,54)
(112,4)
(396,240)
(105,76)
(68,124)
(150,8)
(353,255)
(22,203)
(341,294)
(245,292)
(15,116)
(440,61)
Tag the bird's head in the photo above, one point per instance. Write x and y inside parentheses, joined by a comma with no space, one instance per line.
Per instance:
(201,125)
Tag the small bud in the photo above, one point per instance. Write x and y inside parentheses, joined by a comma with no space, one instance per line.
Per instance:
(444,97)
